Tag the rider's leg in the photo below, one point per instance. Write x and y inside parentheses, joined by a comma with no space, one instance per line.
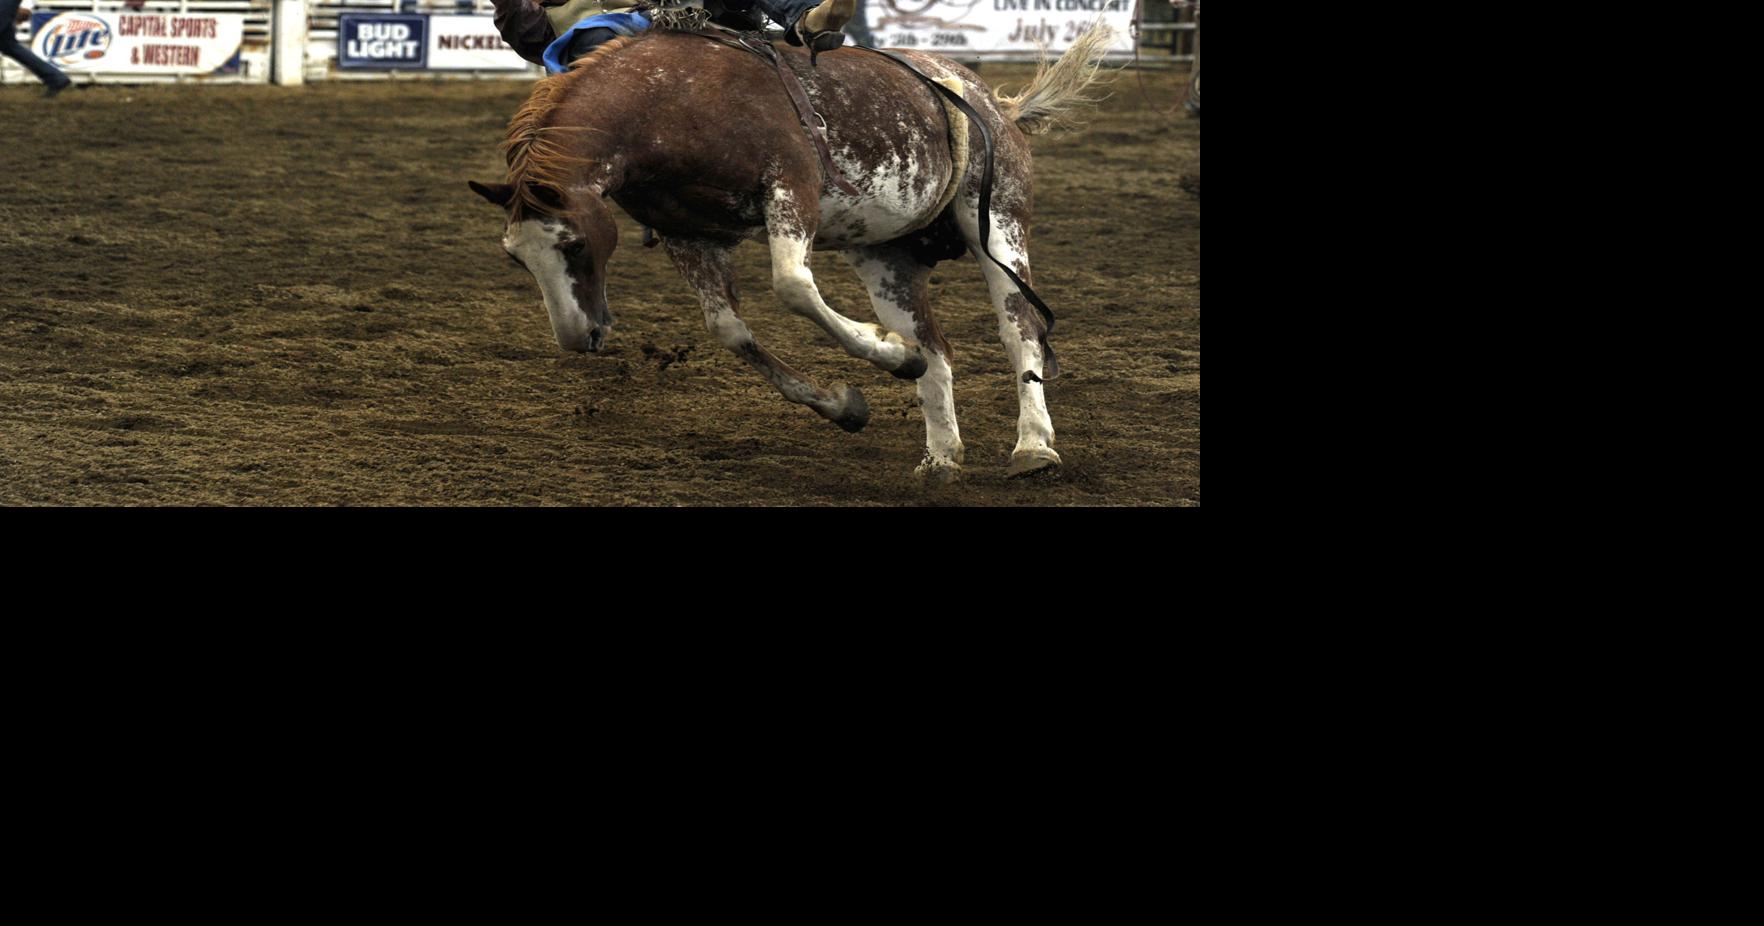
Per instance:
(585,40)
(807,16)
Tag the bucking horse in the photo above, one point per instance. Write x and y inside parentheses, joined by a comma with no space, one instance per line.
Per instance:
(710,137)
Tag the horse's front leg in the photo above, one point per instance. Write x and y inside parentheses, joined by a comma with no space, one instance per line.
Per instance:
(791,219)
(707,267)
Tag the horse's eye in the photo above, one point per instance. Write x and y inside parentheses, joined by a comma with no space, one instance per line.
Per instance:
(575,248)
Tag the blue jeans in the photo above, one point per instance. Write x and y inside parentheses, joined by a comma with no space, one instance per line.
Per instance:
(783,12)
(12,48)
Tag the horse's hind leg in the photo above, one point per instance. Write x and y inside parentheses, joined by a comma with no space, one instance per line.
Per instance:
(707,267)
(791,218)
(1020,327)
(900,292)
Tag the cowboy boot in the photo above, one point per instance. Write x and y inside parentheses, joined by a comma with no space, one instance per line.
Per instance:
(819,27)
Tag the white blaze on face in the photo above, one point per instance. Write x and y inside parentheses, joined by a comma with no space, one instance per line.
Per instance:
(536,244)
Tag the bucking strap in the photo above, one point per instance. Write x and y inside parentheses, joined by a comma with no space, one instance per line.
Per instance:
(958,146)
(956,99)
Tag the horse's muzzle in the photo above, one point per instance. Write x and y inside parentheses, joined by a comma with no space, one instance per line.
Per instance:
(588,342)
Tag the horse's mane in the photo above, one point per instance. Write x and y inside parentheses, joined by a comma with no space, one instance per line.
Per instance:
(537,157)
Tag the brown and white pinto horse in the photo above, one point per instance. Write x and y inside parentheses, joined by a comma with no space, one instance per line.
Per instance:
(698,140)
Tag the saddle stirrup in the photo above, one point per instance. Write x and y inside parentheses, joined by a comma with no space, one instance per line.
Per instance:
(817,42)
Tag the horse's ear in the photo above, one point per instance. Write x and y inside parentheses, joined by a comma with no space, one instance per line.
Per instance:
(499,193)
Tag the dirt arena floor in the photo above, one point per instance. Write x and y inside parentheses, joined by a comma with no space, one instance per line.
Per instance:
(268,296)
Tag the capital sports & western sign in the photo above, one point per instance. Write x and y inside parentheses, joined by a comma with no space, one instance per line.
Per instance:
(417,41)
(139,43)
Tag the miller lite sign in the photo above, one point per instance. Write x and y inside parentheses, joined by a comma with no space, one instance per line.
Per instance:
(122,42)
(73,39)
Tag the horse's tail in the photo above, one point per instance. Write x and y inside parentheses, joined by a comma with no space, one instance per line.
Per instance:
(1059,88)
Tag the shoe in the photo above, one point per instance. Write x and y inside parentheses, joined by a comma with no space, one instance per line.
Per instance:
(818,29)
(830,16)
(50,91)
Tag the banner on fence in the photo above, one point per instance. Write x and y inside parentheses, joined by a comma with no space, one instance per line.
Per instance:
(421,41)
(139,43)
(958,27)
(382,41)
(470,43)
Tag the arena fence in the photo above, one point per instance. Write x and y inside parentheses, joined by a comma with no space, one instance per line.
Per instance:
(1170,27)
(294,41)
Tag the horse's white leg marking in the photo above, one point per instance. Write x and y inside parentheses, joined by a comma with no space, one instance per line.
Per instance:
(792,237)
(707,267)
(536,245)
(899,293)
(1019,327)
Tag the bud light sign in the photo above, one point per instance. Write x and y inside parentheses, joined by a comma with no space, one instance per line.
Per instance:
(382,41)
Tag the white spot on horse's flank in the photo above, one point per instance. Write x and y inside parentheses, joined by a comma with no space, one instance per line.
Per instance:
(896,197)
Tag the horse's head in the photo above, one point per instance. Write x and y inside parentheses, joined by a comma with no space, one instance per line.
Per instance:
(564,242)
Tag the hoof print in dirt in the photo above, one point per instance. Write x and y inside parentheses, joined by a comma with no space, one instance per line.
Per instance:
(666,358)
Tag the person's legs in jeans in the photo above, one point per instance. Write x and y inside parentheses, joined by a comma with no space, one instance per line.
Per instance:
(12,48)
(585,40)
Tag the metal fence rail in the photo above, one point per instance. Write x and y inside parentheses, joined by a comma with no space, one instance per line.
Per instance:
(1170,26)
(309,49)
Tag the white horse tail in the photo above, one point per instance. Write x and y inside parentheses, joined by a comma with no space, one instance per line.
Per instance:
(1059,88)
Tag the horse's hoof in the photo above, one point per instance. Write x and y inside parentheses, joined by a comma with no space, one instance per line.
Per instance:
(1025,462)
(855,412)
(939,473)
(913,368)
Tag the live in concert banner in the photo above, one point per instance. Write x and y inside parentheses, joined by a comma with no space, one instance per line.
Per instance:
(958,27)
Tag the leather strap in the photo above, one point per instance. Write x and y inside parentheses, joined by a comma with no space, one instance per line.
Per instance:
(805,113)
(805,110)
